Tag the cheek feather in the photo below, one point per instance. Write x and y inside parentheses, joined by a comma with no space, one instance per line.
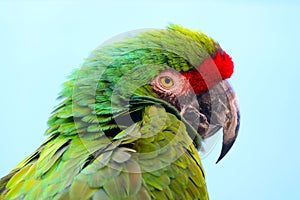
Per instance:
(210,72)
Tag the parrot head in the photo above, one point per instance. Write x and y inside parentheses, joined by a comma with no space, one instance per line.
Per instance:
(184,71)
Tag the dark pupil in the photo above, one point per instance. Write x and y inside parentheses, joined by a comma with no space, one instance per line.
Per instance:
(167,80)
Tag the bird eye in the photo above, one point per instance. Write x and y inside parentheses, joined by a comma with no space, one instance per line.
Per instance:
(166,81)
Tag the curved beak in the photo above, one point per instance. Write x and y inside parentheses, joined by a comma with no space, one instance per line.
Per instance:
(212,110)
(231,122)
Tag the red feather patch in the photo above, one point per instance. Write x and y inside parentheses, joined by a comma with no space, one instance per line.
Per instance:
(210,72)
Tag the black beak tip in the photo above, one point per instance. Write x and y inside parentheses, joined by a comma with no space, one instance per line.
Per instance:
(225,148)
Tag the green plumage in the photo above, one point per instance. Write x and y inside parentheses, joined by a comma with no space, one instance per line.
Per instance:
(95,152)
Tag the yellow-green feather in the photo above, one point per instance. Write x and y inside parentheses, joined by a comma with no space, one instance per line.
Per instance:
(117,172)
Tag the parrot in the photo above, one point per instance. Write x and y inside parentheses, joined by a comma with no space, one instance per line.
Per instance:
(131,121)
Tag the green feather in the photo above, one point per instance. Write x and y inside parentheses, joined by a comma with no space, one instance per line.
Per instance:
(89,155)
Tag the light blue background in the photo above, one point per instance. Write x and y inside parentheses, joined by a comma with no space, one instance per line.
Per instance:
(42,41)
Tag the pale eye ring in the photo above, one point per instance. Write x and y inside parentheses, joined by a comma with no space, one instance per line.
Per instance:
(166,82)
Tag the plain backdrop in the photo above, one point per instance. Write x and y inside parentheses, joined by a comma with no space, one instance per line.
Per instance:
(41,42)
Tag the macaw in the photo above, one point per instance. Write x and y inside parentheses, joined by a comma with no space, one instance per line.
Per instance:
(132,120)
